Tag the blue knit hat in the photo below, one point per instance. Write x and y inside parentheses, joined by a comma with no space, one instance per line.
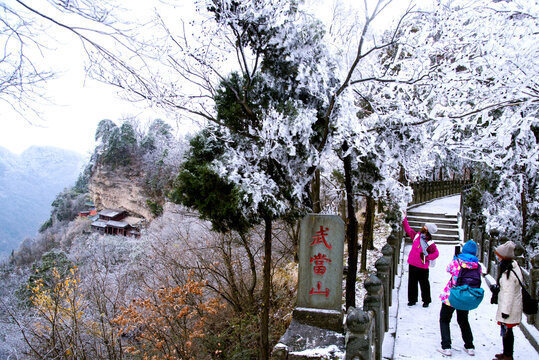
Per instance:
(470,248)
(468,252)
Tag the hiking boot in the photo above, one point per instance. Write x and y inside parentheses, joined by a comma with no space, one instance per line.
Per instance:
(502,357)
(446,352)
(470,352)
(426,304)
(411,303)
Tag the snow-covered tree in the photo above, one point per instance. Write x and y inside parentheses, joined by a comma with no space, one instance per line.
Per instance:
(261,151)
(458,82)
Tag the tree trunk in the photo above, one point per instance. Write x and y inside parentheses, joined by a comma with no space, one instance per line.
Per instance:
(315,192)
(266,289)
(402,175)
(524,203)
(368,229)
(351,231)
(252,266)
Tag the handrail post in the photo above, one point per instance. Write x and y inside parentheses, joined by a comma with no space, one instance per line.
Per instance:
(534,285)
(360,334)
(374,301)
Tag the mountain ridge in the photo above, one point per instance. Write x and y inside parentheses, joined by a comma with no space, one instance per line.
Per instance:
(29,183)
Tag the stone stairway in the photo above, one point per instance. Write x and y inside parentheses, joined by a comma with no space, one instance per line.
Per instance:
(448,230)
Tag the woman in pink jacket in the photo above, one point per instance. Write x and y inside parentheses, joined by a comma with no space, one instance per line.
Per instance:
(422,253)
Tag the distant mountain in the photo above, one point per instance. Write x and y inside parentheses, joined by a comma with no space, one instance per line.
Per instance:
(29,183)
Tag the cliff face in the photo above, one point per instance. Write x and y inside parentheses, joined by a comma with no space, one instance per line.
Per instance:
(121,188)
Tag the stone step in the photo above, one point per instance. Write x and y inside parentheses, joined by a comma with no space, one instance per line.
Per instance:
(452,232)
(442,228)
(424,219)
(443,238)
(432,215)
(447,242)
(448,230)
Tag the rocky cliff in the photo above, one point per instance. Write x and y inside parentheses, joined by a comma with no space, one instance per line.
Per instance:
(121,188)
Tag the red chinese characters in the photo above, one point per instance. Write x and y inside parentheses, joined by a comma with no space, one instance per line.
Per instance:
(320,237)
(318,260)
(319,291)
(321,260)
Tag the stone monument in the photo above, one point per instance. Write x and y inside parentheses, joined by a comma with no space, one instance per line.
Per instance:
(317,318)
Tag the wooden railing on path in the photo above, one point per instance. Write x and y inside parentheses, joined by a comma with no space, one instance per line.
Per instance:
(428,190)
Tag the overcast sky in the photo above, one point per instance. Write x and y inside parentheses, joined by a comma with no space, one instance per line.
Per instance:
(79,103)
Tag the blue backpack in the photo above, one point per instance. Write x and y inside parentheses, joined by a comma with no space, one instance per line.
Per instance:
(467,294)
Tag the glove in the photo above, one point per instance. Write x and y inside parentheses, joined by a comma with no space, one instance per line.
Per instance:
(505,316)
(495,289)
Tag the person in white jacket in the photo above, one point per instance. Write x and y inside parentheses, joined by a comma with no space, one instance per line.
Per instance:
(509,313)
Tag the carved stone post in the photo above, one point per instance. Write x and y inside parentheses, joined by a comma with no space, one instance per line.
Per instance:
(494,233)
(383,269)
(359,339)
(374,301)
(462,208)
(485,249)
(394,240)
(519,256)
(534,285)
(391,243)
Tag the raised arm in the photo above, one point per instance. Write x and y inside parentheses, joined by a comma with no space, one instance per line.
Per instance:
(411,233)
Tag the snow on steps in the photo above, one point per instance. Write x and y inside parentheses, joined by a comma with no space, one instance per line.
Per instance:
(448,231)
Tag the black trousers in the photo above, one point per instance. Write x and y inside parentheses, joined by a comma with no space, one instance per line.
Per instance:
(508,342)
(446,313)
(417,275)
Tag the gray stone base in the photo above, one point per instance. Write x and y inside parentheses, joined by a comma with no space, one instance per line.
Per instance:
(324,319)
(301,341)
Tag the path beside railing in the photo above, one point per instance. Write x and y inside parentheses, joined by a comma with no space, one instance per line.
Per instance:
(414,331)
(417,331)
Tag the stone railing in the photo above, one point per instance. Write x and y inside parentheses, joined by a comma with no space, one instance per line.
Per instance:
(365,327)
(428,190)
(473,227)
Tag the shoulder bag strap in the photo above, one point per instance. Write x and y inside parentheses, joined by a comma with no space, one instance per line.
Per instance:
(458,273)
(520,282)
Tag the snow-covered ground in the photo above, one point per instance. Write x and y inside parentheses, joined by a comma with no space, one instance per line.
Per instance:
(414,331)
(449,205)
